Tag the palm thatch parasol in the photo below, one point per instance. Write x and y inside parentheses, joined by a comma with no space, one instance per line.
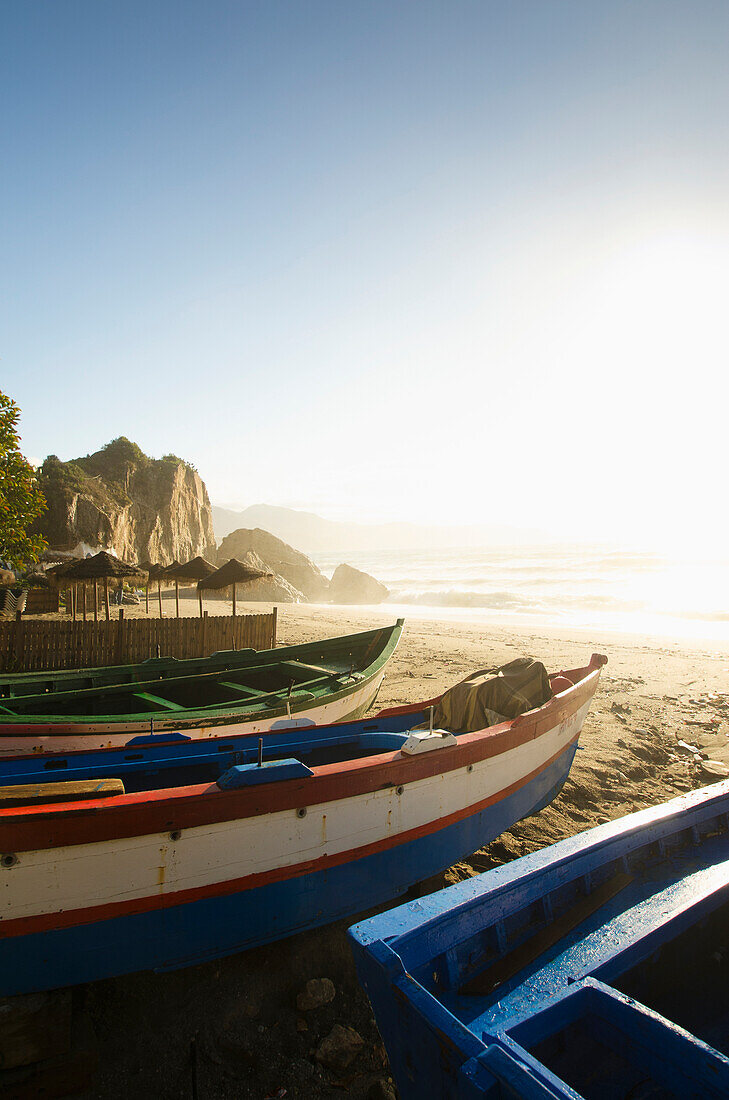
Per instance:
(146,567)
(36,580)
(57,572)
(155,572)
(171,573)
(102,566)
(57,576)
(55,557)
(233,573)
(195,570)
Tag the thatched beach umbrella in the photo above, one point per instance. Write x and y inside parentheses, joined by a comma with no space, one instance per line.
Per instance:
(171,573)
(155,573)
(195,570)
(57,575)
(36,580)
(146,567)
(234,572)
(102,566)
(56,557)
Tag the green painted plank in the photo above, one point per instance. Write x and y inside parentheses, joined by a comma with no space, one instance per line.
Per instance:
(243,689)
(157,701)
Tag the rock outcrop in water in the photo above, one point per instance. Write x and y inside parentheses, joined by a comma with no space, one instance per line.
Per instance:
(282,559)
(269,589)
(350,585)
(142,509)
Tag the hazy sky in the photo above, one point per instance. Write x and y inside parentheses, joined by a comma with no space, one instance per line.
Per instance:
(441,261)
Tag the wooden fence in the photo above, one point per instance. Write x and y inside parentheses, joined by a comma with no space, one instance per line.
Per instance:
(42,601)
(30,645)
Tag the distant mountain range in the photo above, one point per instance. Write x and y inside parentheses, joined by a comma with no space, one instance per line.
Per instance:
(312,534)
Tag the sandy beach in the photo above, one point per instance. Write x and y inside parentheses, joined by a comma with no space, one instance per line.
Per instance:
(232,1026)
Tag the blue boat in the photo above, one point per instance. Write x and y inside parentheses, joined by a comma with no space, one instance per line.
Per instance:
(595,968)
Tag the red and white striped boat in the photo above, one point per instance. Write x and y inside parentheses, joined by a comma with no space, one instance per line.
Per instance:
(335,820)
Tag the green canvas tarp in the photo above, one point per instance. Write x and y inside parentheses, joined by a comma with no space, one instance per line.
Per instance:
(493,695)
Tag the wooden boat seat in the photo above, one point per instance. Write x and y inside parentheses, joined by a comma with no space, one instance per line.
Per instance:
(299,668)
(156,701)
(36,794)
(243,689)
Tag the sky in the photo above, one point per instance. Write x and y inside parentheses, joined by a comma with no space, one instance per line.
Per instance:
(439,262)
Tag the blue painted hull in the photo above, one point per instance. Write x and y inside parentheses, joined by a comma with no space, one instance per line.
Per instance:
(183,935)
(595,968)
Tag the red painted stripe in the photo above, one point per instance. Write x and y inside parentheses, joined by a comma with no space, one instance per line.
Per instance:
(26,926)
(56,825)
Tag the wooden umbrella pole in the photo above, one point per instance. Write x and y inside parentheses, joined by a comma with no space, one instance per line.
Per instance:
(106,598)
(199,599)
(177,597)
(159,596)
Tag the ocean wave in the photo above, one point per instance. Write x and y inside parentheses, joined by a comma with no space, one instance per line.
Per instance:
(566,583)
(513,601)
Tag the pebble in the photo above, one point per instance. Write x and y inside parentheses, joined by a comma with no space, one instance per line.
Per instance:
(339,1048)
(318,992)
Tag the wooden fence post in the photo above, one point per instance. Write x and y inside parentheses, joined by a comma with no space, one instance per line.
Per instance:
(120,639)
(18,654)
(273,628)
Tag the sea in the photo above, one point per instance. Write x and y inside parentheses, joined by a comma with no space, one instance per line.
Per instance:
(584,586)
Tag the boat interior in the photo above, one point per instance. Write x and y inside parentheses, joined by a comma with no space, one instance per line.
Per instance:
(162,761)
(225,681)
(226,689)
(592,976)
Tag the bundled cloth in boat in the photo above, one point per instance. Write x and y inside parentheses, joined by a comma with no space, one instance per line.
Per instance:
(494,695)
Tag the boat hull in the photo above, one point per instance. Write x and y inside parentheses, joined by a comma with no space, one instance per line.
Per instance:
(182,935)
(166,880)
(595,967)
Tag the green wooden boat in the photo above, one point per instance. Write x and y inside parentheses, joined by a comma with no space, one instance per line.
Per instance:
(247,691)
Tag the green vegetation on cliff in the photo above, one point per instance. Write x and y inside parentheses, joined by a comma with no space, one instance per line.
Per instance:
(113,464)
(143,508)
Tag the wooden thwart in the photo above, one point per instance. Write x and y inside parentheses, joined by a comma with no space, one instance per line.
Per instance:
(33,794)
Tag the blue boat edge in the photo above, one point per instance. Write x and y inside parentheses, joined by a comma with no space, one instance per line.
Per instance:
(426,1042)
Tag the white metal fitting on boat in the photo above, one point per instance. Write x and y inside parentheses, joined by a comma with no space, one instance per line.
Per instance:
(427,740)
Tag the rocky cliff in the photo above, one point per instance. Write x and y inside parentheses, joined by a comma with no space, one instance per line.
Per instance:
(118,499)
